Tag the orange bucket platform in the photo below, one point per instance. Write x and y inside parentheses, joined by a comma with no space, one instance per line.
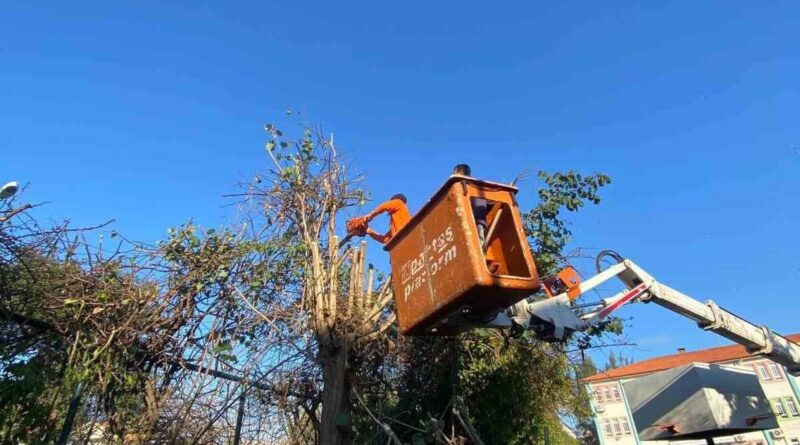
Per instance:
(438,264)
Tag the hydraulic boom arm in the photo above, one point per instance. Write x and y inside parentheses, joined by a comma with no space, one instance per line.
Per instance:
(557,317)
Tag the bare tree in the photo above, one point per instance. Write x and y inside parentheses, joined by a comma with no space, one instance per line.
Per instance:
(335,306)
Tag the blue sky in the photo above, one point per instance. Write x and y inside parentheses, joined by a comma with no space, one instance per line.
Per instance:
(148,112)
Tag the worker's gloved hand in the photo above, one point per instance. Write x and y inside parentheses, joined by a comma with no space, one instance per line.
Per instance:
(357,226)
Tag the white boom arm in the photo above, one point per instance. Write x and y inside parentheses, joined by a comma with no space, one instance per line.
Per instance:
(555,318)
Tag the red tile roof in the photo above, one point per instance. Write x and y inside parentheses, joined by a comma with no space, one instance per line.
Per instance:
(711,355)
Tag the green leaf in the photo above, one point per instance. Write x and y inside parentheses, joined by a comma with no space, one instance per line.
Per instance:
(228,357)
(222,347)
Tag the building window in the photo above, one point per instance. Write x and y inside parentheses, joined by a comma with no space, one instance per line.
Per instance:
(627,428)
(607,393)
(775,370)
(762,372)
(607,428)
(598,394)
(779,408)
(792,406)
(617,429)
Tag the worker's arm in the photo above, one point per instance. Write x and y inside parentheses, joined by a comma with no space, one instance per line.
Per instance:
(389,206)
(378,237)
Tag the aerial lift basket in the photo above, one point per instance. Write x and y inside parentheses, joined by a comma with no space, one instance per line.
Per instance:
(440,268)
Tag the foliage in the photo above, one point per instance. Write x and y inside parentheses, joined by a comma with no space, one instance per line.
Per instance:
(509,384)
(586,427)
(133,324)
(616,360)
(546,228)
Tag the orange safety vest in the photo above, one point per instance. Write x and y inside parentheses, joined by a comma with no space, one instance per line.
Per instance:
(398,212)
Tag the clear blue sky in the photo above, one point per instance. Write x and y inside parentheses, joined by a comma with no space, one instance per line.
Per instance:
(148,112)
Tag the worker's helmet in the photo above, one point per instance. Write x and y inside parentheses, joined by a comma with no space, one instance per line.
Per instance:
(462,169)
(401,197)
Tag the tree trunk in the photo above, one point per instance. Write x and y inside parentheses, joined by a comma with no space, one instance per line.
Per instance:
(336,428)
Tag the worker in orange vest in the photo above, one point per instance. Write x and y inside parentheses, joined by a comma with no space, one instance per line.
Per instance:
(398,217)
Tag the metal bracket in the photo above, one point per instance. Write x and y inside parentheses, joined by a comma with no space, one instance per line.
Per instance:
(717,313)
(647,295)
(769,342)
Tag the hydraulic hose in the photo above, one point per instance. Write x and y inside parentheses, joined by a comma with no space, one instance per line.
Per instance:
(604,253)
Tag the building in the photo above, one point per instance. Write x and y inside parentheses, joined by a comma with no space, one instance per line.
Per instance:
(612,414)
